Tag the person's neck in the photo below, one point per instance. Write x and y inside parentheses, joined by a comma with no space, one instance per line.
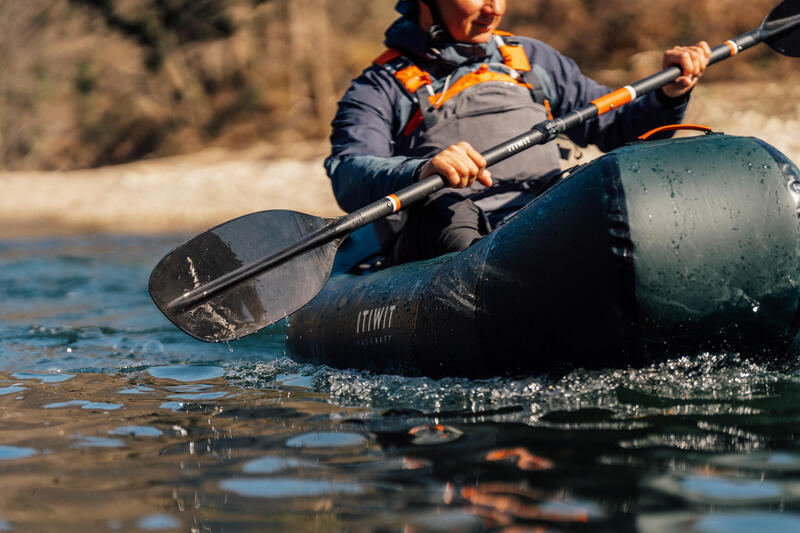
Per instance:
(425,20)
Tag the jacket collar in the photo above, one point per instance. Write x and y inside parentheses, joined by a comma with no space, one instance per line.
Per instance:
(406,36)
(407,8)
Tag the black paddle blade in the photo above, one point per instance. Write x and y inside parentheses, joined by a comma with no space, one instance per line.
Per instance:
(787,43)
(256,302)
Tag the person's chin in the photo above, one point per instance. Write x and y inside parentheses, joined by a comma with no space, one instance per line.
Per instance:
(481,33)
(480,37)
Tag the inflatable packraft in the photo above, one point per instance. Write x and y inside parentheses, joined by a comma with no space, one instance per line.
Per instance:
(657,249)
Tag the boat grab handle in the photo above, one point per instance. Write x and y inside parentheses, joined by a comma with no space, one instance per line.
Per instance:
(674,127)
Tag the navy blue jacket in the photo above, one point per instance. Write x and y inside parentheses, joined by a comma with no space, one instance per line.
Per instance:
(367,161)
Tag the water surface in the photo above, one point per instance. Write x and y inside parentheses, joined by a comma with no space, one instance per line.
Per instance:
(112,420)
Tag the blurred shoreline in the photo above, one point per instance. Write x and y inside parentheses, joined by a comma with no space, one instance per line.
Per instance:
(180,194)
(190,193)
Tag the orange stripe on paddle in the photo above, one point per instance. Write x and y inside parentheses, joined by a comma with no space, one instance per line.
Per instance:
(395,202)
(618,98)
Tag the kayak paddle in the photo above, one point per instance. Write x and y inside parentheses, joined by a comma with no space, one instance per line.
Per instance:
(250,272)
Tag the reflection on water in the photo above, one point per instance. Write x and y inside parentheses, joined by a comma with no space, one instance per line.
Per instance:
(186,373)
(110,419)
(14,452)
(158,522)
(136,431)
(278,487)
(260,455)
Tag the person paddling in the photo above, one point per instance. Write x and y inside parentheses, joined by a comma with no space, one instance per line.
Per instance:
(449,86)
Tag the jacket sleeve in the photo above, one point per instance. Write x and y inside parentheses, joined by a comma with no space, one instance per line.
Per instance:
(362,166)
(573,90)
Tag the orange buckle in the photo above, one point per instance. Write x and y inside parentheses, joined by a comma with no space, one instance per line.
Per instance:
(413,78)
(514,57)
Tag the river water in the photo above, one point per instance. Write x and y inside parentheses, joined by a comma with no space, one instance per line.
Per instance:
(113,420)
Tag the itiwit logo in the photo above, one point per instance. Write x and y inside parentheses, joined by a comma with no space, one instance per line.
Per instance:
(377,319)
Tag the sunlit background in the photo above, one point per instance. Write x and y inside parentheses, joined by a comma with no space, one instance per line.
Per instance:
(129,125)
(87,83)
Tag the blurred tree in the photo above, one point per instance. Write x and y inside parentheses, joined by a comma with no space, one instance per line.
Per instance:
(157,22)
(110,81)
(311,78)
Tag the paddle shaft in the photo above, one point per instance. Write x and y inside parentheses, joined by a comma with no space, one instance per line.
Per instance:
(549,129)
(540,134)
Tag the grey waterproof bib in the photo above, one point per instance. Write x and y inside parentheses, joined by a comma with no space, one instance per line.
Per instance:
(484,115)
(485,106)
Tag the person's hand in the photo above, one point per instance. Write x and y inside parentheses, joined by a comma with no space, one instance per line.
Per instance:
(460,164)
(692,60)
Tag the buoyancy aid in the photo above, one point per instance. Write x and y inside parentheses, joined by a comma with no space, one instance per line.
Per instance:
(484,106)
